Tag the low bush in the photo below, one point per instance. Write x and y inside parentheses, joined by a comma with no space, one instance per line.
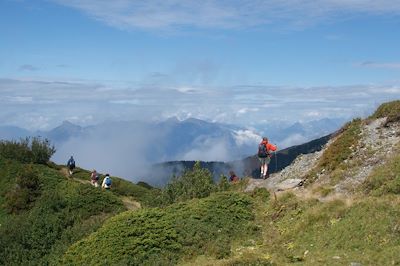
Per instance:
(195,183)
(28,150)
(26,190)
(165,236)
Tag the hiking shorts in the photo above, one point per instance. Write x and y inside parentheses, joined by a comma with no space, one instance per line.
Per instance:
(265,160)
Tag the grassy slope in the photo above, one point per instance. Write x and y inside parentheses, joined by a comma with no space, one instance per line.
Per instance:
(333,233)
(65,212)
(163,236)
(391,110)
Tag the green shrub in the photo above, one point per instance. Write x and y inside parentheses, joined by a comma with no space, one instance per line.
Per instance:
(42,150)
(165,236)
(196,183)
(261,193)
(28,150)
(26,190)
(223,184)
(16,150)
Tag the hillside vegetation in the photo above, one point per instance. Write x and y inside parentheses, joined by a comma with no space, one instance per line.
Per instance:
(164,236)
(345,213)
(42,212)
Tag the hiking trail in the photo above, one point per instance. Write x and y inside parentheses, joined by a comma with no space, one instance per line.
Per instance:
(129,202)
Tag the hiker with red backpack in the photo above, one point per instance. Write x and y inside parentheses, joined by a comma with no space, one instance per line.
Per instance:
(264,155)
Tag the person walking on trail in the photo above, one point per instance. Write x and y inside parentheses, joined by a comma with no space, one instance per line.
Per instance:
(71,165)
(94,178)
(264,155)
(106,182)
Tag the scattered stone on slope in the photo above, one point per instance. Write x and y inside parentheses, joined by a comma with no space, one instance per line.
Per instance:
(377,143)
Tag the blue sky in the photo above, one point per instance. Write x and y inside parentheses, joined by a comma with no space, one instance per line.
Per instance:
(241,62)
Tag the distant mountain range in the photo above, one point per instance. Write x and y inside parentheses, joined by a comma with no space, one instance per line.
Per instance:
(131,148)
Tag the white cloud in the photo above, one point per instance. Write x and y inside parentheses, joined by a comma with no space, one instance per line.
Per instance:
(246,110)
(18,99)
(223,14)
(245,137)
(94,103)
(313,114)
(37,121)
(209,150)
(294,139)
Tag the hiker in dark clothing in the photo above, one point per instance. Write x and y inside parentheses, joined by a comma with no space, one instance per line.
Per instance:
(71,165)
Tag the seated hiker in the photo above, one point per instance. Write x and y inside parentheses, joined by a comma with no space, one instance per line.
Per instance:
(71,165)
(264,155)
(233,177)
(94,178)
(106,182)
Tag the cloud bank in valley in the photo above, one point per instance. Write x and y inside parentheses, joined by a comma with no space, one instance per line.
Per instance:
(43,104)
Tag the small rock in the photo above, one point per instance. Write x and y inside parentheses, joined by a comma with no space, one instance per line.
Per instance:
(289,183)
(336,257)
(355,264)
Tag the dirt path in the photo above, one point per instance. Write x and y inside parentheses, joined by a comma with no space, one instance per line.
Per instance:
(130,203)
